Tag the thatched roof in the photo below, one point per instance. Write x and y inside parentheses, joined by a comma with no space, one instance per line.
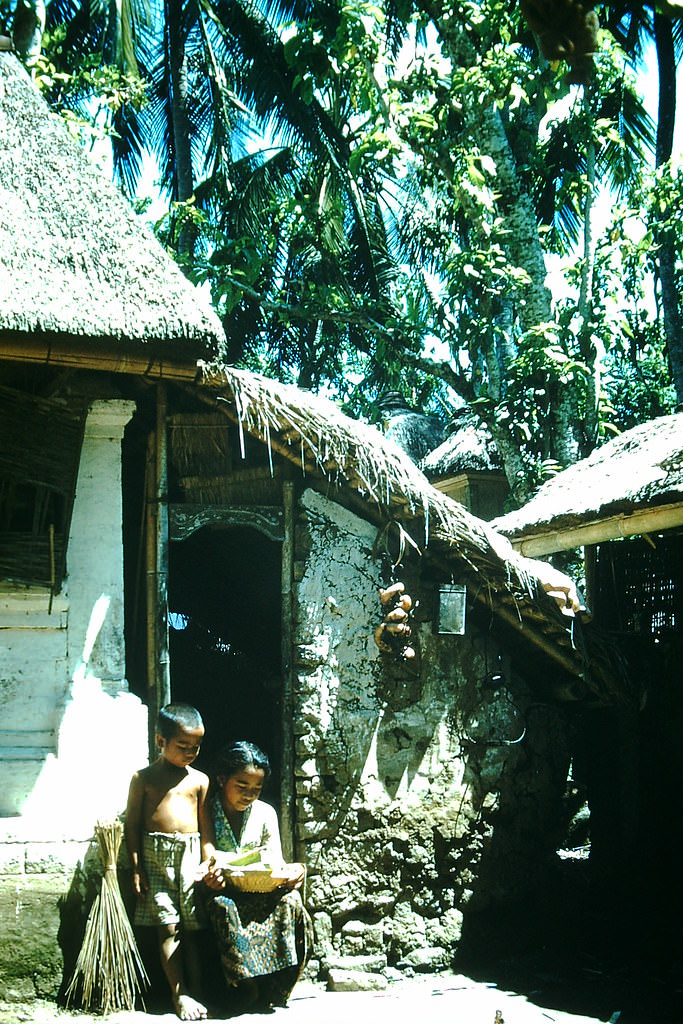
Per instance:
(468,448)
(382,482)
(75,262)
(631,485)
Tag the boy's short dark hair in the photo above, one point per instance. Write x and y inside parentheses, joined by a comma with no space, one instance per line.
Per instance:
(174,717)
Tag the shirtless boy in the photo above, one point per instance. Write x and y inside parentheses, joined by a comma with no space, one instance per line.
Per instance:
(168,833)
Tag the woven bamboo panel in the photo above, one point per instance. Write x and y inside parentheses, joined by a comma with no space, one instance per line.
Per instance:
(640,585)
(26,558)
(200,444)
(40,446)
(256,488)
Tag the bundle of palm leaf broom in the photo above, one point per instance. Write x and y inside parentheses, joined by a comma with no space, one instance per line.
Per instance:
(109,972)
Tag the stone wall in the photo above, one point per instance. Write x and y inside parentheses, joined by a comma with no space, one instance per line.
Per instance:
(423,793)
(39,883)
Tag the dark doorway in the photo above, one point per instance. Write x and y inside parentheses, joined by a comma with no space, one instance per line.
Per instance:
(224,598)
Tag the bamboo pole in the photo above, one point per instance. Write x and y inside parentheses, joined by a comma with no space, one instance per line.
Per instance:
(287,774)
(573,665)
(628,524)
(150,600)
(156,566)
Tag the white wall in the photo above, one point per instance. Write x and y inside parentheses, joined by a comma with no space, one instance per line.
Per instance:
(72,734)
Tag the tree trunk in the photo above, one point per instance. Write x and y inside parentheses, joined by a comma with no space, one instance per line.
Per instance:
(666,113)
(666,104)
(587,341)
(180,126)
(523,246)
(28,24)
(517,209)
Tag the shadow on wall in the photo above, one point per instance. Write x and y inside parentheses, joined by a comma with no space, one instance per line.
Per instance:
(74,908)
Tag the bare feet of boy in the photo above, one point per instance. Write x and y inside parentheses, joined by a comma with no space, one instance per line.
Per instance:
(188,1008)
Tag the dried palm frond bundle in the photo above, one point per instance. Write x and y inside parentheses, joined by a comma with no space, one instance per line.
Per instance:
(109,972)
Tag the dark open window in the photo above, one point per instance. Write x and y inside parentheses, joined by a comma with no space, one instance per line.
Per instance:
(40,446)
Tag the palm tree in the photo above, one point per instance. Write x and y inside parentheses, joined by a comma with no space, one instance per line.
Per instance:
(635,24)
(233,133)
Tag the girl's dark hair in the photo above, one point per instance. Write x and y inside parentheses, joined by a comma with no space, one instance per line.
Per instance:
(174,717)
(237,756)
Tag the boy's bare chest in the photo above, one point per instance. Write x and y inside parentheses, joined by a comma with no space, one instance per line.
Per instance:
(171,808)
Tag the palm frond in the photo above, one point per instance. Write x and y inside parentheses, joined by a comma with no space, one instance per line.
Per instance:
(677,33)
(129,147)
(618,161)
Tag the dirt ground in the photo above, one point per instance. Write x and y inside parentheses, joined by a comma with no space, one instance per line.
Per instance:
(436,999)
(441,1000)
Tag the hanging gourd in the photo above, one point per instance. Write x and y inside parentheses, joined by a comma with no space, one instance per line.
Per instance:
(392,636)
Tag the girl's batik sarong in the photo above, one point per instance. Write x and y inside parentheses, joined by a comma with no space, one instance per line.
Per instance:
(261,934)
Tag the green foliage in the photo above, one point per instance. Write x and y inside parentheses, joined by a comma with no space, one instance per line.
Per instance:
(375,193)
(639,389)
(663,203)
(88,93)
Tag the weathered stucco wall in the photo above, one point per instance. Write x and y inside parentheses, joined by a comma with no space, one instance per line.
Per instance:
(422,792)
(72,734)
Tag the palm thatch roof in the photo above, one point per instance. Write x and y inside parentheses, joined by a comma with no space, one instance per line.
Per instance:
(631,485)
(468,448)
(371,473)
(77,268)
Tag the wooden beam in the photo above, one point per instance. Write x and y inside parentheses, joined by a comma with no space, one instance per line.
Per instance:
(150,596)
(161,498)
(628,524)
(58,352)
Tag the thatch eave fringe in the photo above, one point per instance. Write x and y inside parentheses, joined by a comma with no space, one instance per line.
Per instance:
(358,455)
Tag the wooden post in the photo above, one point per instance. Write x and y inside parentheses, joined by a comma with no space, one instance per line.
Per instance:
(163,661)
(287,773)
(591,564)
(158,666)
(150,591)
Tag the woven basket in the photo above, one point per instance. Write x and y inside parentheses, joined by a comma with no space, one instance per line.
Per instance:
(257,880)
